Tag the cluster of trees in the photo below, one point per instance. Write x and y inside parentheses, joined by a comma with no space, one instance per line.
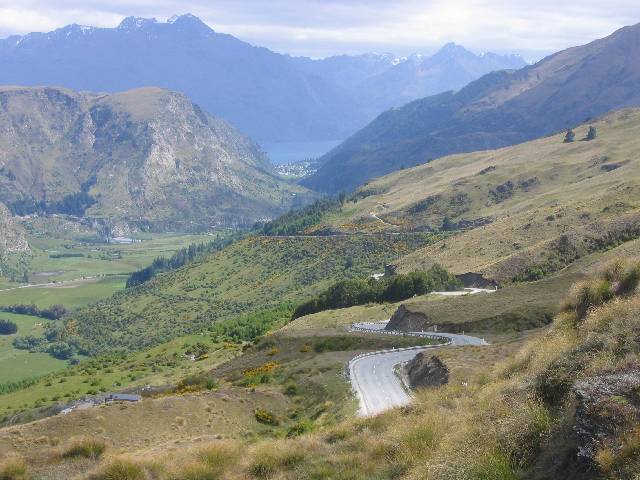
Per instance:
(249,327)
(349,293)
(7,327)
(297,221)
(570,136)
(182,257)
(54,312)
(60,341)
(73,204)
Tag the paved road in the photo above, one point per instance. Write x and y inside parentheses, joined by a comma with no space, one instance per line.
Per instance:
(466,291)
(376,217)
(60,283)
(373,376)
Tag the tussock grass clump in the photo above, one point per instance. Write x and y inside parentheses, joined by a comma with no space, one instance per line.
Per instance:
(270,458)
(85,447)
(120,469)
(13,468)
(213,461)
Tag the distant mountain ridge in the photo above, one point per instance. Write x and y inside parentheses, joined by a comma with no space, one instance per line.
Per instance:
(147,157)
(500,109)
(269,96)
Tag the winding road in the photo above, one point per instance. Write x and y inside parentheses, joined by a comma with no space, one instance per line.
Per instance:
(373,375)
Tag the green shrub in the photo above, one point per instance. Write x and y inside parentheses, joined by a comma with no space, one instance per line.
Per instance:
(300,428)
(266,417)
(291,389)
(196,382)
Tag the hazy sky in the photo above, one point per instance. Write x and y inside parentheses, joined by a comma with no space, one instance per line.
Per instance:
(326,27)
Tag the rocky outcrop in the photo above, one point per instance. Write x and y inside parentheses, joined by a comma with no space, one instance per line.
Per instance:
(608,407)
(476,280)
(405,320)
(145,157)
(424,371)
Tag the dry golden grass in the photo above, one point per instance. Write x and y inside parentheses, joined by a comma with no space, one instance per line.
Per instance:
(491,427)
(13,468)
(581,190)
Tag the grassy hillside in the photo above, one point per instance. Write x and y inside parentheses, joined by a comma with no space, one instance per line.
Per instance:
(539,204)
(517,306)
(20,364)
(564,406)
(248,275)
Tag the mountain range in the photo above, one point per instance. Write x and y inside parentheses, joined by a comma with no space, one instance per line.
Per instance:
(147,157)
(500,109)
(269,96)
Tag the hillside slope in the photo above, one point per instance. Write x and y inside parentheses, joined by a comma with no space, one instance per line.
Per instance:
(540,204)
(500,109)
(248,276)
(147,157)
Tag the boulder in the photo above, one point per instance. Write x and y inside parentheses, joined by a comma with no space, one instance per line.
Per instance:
(607,407)
(423,371)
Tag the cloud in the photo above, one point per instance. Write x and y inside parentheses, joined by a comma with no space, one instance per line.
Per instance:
(325,27)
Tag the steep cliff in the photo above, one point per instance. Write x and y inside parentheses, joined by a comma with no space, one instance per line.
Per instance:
(148,157)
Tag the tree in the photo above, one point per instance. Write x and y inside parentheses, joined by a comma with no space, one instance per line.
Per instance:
(570,136)
(7,327)
(342,197)
(591,134)
(447,224)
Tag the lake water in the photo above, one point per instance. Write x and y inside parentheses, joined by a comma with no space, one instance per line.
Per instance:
(289,152)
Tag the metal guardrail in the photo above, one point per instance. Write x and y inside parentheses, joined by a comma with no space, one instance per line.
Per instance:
(447,342)
(400,334)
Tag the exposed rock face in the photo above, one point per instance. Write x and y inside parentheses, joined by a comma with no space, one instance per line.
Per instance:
(608,407)
(146,156)
(476,280)
(405,320)
(423,371)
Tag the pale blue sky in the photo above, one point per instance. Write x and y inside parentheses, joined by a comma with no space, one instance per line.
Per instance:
(327,27)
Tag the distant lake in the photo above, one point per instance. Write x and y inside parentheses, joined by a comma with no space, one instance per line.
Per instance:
(289,152)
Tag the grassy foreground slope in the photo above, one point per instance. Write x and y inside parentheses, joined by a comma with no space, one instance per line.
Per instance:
(565,406)
(253,274)
(539,205)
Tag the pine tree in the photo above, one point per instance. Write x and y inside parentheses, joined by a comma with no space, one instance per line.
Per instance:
(592,134)
(570,136)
